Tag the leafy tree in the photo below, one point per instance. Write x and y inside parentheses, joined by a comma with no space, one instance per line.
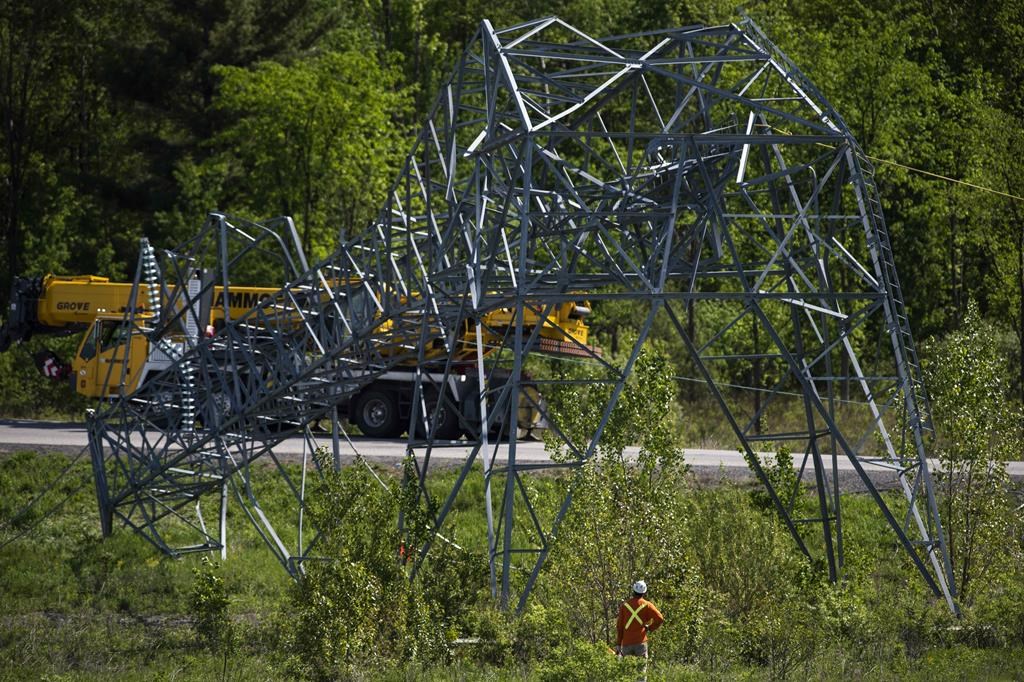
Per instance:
(315,139)
(25,393)
(209,602)
(53,110)
(624,524)
(997,155)
(356,608)
(984,37)
(979,431)
(157,64)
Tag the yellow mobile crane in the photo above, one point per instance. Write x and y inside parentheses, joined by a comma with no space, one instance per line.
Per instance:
(65,305)
(95,307)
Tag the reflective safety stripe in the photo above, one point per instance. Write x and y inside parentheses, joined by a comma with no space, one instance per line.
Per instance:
(633,613)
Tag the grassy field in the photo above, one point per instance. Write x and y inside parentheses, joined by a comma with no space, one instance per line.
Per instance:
(74,606)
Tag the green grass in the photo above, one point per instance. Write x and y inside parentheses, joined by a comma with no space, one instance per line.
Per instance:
(75,606)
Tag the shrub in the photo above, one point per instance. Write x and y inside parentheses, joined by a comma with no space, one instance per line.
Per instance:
(625,523)
(979,432)
(997,614)
(494,632)
(779,636)
(209,606)
(577,660)
(538,632)
(355,610)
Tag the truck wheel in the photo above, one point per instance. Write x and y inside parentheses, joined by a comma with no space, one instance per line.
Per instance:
(470,426)
(161,414)
(218,410)
(376,414)
(497,433)
(448,422)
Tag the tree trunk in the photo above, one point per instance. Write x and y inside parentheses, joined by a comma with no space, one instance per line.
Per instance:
(757,380)
(691,332)
(1020,303)
(13,107)
(954,288)
(1019,233)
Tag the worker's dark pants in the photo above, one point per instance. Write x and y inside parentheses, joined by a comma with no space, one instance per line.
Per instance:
(636,650)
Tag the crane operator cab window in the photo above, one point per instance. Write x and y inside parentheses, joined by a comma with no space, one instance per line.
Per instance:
(101,358)
(113,333)
(105,335)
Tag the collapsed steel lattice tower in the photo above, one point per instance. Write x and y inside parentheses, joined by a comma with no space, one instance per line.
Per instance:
(694,172)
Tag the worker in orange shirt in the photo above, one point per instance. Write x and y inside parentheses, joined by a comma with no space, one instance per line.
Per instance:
(637,617)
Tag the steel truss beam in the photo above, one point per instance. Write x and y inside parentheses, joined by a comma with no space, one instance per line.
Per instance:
(695,172)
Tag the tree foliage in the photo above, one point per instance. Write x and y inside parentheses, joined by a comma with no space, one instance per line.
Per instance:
(209,605)
(313,139)
(128,118)
(980,430)
(622,527)
(356,609)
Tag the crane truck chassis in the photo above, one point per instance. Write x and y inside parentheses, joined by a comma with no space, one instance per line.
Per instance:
(111,362)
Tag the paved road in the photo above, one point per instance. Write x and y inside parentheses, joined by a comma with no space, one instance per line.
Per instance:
(71,437)
(17,434)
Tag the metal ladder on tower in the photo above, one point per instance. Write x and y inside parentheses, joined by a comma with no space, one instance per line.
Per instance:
(906,352)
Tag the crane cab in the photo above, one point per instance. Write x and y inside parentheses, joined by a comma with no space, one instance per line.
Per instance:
(110,360)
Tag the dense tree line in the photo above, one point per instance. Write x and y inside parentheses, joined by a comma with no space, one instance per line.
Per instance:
(123,118)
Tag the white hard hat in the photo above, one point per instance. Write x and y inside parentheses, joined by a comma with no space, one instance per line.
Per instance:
(640,587)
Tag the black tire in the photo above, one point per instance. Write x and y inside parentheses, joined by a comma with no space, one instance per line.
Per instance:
(471,430)
(161,413)
(217,411)
(470,425)
(278,427)
(448,422)
(376,414)
(500,433)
